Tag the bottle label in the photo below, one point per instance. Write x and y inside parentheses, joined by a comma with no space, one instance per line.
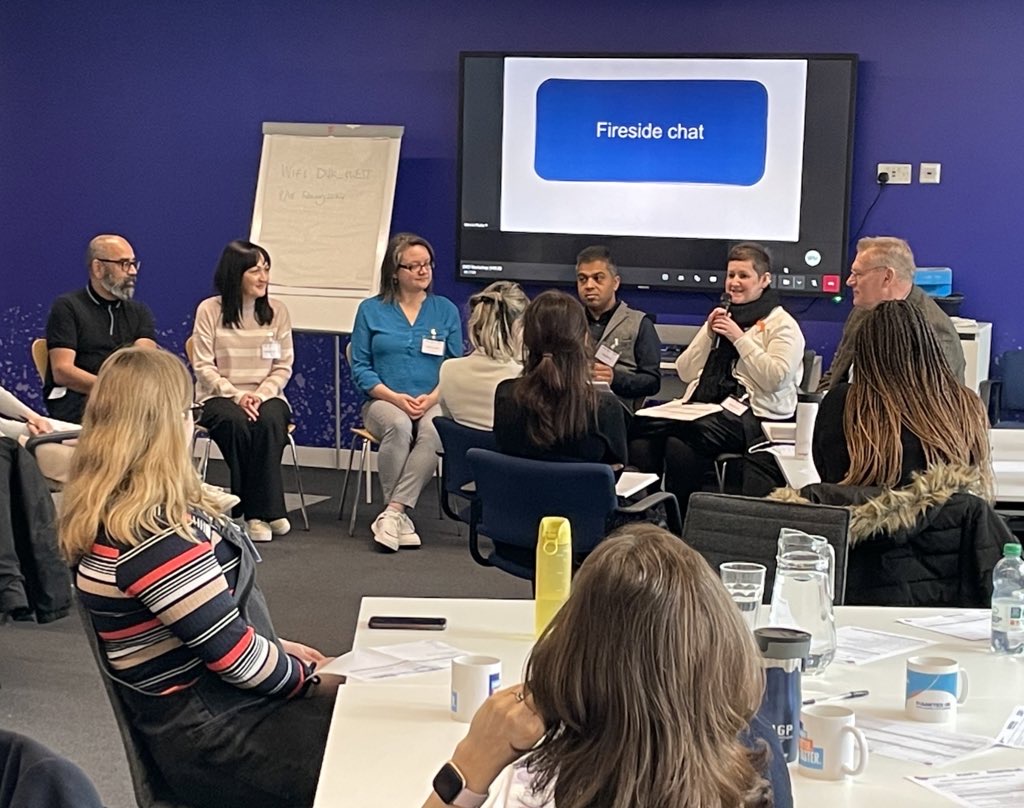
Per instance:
(1007,616)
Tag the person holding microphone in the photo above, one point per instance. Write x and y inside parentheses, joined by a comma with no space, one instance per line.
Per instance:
(748,358)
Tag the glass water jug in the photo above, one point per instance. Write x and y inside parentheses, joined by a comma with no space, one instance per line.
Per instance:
(802,595)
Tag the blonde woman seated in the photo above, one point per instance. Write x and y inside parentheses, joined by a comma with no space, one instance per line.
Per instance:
(242,360)
(466,386)
(210,688)
(615,714)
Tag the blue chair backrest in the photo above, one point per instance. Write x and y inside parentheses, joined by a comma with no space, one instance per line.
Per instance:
(457,440)
(516,493)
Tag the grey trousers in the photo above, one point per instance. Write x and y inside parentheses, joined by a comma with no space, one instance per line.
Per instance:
(407,453)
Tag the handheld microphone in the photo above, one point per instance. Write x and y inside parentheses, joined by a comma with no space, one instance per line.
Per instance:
(726,303)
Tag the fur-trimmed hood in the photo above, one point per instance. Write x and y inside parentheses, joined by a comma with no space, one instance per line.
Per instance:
(891,511)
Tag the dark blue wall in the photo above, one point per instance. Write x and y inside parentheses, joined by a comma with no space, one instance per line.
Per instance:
(143,118)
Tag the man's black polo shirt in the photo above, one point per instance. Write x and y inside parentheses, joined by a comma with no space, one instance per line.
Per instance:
(93,328)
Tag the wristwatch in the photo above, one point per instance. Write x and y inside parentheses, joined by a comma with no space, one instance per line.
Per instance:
(450,786)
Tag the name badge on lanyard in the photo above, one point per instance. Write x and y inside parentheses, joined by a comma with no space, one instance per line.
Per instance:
(734,405)
(271,349)
(607,356)
(432,346)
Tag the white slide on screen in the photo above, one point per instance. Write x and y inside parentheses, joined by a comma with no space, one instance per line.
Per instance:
(694,148)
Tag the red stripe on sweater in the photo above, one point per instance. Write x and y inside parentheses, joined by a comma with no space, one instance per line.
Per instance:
(131,631)
(232,656)
(168,567)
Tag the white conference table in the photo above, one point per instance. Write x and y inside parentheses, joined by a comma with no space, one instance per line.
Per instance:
(388,739)
(1007,464)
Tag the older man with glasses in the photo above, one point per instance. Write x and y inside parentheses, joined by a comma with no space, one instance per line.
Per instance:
(86,326)
(884,270)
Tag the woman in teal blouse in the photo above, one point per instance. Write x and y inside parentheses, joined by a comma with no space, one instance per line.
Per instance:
(399,341)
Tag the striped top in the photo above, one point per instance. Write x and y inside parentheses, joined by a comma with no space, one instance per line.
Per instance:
(166,609)
(251,359)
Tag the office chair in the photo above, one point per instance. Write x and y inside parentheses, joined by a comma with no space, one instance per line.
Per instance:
(1005,395)
(456,473)
(151,789)
(722,527)
(513,494)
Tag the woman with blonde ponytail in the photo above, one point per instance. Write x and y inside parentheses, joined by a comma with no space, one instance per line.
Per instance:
(553,411)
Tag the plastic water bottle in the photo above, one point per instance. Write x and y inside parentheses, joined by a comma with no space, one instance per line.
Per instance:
(553,575)
(1008,603)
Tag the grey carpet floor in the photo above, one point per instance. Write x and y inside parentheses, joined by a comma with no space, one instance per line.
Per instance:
(49,686)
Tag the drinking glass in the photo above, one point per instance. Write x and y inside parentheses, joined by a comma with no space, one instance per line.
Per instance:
(745,582)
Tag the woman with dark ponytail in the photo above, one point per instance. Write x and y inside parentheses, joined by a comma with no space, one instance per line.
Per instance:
(553,411)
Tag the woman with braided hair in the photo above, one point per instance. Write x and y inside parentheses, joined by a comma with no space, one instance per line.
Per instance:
(904,412)
(905,447)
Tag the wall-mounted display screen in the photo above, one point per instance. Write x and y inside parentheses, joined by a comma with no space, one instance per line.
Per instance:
(668,160)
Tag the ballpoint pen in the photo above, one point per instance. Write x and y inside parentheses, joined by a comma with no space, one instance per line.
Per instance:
(853,694)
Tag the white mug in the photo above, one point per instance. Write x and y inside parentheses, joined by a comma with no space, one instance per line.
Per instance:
(474,678)
(828,741)
(935,686)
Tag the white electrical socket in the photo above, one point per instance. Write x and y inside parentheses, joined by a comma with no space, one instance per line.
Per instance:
(899,173)
(930,173)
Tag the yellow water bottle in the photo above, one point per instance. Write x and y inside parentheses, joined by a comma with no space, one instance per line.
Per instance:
(553,575)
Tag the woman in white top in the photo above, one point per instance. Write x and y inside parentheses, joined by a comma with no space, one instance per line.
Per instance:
(467,383)
(748,357)
(20,422)
(242,355)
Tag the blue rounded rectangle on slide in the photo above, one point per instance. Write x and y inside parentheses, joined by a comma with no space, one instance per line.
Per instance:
(652,130)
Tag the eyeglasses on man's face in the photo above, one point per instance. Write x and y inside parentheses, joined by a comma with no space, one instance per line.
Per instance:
(417,266)
(124,263)
(860,273)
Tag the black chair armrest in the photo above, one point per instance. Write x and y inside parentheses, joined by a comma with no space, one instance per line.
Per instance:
(475,512)
(675,521)
(989,391)
(50,437)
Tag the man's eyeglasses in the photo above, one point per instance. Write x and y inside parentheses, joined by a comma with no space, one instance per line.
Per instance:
(418,265)
(196,410)
(124,263)
(861,273)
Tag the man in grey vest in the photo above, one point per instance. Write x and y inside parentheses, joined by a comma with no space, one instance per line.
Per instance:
(627,352)
(884,270)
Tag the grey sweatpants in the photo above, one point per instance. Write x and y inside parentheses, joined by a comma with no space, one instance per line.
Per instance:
(407,454)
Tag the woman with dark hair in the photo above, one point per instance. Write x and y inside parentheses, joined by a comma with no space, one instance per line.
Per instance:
(186,637)
(242,357)
(642,692)
(553,411)
(748,357)
(399,340)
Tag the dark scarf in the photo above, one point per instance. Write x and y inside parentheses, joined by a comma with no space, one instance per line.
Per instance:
(717,381)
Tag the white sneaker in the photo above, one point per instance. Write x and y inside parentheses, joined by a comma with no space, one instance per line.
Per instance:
(223,500)
(386,529)
(407,535)
(280,527)
(259,530)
